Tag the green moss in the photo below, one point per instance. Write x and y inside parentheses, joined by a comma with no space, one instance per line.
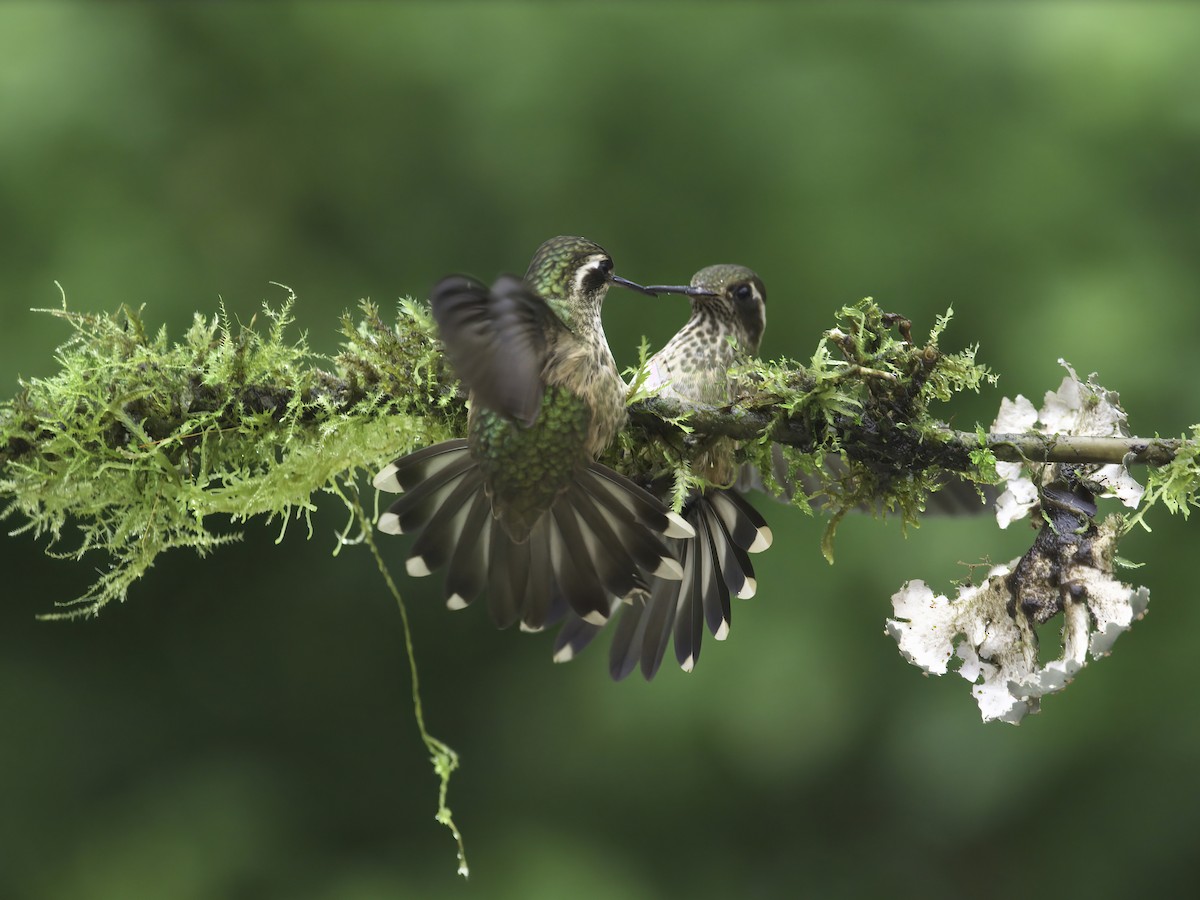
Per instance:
(1175,485)
(146,445)
(853,428)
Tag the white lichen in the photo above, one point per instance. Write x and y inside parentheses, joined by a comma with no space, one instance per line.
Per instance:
(1076,408)
(994,641)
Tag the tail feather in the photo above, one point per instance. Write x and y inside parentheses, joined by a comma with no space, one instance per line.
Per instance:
(443,532)
(643,632)
(602,539)
(646,548)
(733,560)
(745,524)
(573,567)
(660,620)
(637,500)
(575,634)
(416,507)
(541,589)
(467,574)
(628,639)
(519,573)
(610,552)
(715,566)
(409,471)
(710,549)
(689,616)
(504,605)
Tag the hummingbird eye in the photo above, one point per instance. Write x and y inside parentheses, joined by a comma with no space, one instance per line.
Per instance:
(743,292)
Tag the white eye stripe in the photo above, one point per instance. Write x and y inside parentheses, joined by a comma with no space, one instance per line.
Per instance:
(597,262)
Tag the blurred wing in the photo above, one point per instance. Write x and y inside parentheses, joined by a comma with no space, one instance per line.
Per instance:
(957,495)
(495,340)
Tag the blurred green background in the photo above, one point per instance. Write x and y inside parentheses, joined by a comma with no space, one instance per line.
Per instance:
(241,726)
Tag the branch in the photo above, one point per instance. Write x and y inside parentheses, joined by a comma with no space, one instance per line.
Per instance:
(1064,448)
(951,448)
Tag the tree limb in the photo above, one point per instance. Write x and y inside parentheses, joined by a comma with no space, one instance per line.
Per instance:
(661,416)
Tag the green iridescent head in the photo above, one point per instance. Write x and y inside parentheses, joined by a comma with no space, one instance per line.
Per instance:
(574,269)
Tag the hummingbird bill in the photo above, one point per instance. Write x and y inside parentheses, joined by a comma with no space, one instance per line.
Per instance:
(519,509)
(697,365)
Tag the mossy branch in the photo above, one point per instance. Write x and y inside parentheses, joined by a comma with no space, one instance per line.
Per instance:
(144,444)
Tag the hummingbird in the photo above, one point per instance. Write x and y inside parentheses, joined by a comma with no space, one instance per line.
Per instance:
(697,365)
(520,507)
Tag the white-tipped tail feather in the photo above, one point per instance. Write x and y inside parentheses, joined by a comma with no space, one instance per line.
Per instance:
(679,527)
(711,568)
(385,480)
(668,568)
(762,540)
(603,537)
(415,566)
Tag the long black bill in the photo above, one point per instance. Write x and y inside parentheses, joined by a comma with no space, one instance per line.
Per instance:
(686,289)
(632,285)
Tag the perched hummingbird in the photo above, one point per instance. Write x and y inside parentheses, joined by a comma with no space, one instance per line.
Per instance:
(520,506)
(696,366)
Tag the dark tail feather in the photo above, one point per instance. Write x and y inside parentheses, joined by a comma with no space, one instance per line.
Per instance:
(417,506)
(744,524)
(575,634)
(728,530)
(541,590)
(644,506)
(442,496)
(632,640)
(409,471)
(607,541)
(629,637)
(518,575)
(716,565)
(689,614)
(747,534)
(600,500)
(443,532)
(644,631)
(504,605)
(467,573)
(571,560)
(602,539)
(710,548)
(660,621)
(615,552)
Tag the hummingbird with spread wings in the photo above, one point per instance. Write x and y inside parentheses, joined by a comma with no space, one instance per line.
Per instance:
(519,508)
(697,366)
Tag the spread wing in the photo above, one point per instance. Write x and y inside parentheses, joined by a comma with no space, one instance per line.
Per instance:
(495,340)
